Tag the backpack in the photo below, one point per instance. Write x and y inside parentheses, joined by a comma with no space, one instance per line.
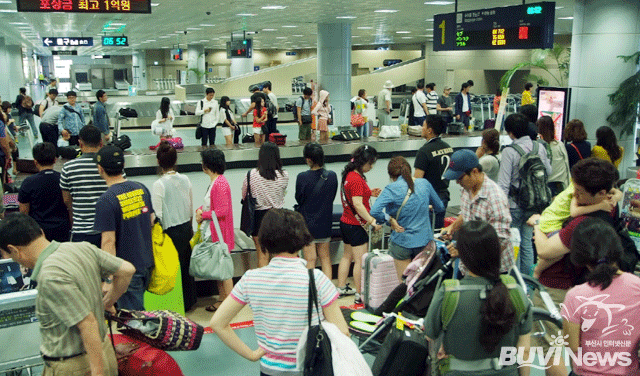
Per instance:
(534,193)
(451,297)
(294,107)
(629,257)
(271,108)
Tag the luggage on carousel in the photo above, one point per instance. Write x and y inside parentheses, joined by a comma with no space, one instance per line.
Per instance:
(489,123)
(278,139)
(415,130)
(455,128)
(248,138)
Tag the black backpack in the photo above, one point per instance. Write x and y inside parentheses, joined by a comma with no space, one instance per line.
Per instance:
(534,193)
(123,142)
(271,108)
(294,107)
(630,256)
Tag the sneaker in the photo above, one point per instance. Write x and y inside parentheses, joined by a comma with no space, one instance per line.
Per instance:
(358,299)
(346,290)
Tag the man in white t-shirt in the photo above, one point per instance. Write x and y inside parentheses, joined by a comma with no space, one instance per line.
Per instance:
(420,110)
(49,101)
(432,99)
(209,109)
(384,104)
(272,121)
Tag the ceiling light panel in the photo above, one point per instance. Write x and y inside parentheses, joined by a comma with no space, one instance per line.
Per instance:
(438,2)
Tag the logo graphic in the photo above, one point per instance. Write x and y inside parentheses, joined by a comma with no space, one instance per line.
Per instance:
(559,340)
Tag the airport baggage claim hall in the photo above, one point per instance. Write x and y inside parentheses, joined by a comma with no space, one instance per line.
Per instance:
(135,53)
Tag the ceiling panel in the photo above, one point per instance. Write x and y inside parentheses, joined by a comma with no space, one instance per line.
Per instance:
(211,23)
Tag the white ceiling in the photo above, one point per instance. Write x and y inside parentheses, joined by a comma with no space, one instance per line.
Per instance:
(165,27)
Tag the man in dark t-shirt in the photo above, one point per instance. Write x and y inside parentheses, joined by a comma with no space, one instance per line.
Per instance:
(40,196)
(433,160)
(124,216)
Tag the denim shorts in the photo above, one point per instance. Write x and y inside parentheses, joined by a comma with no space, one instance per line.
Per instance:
(399,252)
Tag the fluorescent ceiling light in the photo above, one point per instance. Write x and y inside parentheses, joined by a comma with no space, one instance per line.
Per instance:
(365,28)
(207,25)
(385,11)
(246,14)
(559,7)
(5,1)
(194,28)
(269,29)
(274,7)
(407,38)
(289,26)
(565,18)
(151,40)
(18,23)
(346,17)
(179,31)
(403,32)
(117,24)
(155,4)
(281,37)
(8,11)
(355,36)
(165,36)
(438,2)
(429,20)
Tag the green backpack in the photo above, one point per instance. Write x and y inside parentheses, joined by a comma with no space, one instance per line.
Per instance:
(452,290)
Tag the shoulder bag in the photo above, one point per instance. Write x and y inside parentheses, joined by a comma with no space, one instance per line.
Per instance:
(317,360)
(166,262)
(249,203)
(316,189)
(199,127)
(209,260)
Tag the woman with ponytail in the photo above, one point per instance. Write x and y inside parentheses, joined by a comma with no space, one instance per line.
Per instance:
(485,319)
(606,307)
(355,195)
(412,229)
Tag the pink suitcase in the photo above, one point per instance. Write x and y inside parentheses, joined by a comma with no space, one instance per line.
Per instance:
(378,277)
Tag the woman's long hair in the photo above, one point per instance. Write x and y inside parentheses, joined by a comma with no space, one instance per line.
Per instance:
(607,139)
(479,249)
(491,138)
(223,102)
(360,157)
(165,105)
(258,103)
(597,245)
(398,166)
(269,161)
(546,129)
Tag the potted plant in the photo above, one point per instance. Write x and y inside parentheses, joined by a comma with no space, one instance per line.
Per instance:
(625,100)
(559,53)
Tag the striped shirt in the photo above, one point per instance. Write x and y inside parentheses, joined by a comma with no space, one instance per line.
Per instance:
(278,295)
(80,177)
(69,277)
(432,102)
(269,194)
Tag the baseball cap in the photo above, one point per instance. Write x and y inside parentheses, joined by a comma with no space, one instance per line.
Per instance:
(447,87)
(461,162)
(110,157)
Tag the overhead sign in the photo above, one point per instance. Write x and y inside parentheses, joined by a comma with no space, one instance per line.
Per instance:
(85,6)
(64,53)
(65,41)
(525,26)
(121,41)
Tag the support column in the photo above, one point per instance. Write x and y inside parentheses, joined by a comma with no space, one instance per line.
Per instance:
(195,60)
(241,65)
(13,74)
(334,68)
(602,30)
(139,70)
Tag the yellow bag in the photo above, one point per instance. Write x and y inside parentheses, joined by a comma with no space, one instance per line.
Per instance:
(167,263)
(196,238)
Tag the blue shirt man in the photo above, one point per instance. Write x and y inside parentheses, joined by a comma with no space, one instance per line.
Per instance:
(71,119)
(100,117)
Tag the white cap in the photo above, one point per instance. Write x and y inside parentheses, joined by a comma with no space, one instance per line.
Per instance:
(388,85)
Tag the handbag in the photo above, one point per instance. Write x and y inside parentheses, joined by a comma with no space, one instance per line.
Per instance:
(389,131)
(197,237)
(317,360)
(357,120)
(166,262)
(165,330)
(249,203)
(209,260)
(136,358)
(306,119)
(199,127)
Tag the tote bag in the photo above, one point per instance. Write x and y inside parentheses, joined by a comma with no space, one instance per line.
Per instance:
(166,262)
(209,260)
(247,219)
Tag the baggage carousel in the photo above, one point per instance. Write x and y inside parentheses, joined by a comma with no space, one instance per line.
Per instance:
(144,162)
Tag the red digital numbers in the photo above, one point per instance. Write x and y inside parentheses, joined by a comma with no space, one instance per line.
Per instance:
(523,32)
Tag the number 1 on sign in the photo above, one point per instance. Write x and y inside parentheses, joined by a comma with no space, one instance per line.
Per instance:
(442,27)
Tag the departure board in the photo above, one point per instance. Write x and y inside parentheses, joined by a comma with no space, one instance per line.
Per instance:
(527,26)
(85,6)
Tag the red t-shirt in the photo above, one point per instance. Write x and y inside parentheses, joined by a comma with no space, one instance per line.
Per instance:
(256,116)
(562,274)
(355,185)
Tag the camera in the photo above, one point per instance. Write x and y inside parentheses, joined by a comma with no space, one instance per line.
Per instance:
(208,13)
(185,32)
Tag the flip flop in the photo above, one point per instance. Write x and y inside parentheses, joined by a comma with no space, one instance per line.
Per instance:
(363,326)
(365,317)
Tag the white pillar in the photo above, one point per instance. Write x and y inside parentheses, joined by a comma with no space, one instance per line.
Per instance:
(12,77)
(602,30)
(241,65)
(139,71)
(334,68)
(195,60)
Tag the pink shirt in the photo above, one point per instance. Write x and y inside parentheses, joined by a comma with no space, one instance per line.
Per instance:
(218,199)
(609,323)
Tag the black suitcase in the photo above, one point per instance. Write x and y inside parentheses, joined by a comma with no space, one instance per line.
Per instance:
(123,142)
(349,135)
(403,352)
(455,128)
(248,138)
(128,112)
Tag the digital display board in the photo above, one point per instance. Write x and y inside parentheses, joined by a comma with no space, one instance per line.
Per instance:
(239,48)
(527,26)
(85,6)
(121,41)
(554,102)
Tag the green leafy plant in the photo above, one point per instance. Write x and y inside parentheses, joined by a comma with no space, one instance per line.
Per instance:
(199,73)
(559,53)
(625,100)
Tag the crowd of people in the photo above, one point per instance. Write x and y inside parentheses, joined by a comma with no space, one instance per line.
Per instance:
(91,214)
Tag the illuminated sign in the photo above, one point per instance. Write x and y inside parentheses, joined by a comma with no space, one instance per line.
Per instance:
(64,53)
(115,41)
(85,6)
(239,48)
(515,27)
(66,41)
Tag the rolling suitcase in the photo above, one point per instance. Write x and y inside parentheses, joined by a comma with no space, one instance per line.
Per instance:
(403,352)
(415,130)
(278,139)
(248,138)
(379,277)
(489,123)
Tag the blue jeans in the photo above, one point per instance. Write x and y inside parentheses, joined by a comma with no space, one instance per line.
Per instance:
(419,120)
(133,299)
(28,117)
(525,260)
(440,216)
